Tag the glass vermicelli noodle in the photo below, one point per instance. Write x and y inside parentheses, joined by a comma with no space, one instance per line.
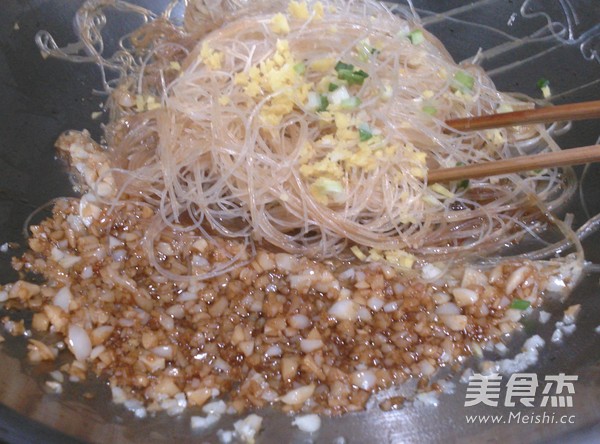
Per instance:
(228,134)
(258,221)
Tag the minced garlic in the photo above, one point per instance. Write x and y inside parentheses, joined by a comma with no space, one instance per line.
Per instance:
(279,24)
(211,58)
(298,10)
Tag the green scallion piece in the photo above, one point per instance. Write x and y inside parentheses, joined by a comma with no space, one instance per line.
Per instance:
(352,102)
(542,82)
(463,184)
(464,80)
(333,87)
(341,66)
(364,51)
(429,109)
(364,133)
(324,104)
(544,86)
(546,92)
(344,74)
(347,72)
(300,68)
(520,304)
(416,37)
(353,77)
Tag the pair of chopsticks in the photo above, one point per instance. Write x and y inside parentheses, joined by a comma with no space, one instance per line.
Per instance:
(572,156)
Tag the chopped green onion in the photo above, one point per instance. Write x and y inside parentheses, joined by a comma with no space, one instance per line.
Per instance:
(352,102)
(520,304)
(329,185)
(463,184)
(313,100)
(546,92)
(333,87)
(365,50)
(324,104)
(441,190)
(543,82)
(364,132)
(429,109)
(341,66)
(416,37)
(544,85)
(464,80)
(352,77)
(338,95)
(504,108)
(300,68)
(364,135)
(326,188)
(346,72)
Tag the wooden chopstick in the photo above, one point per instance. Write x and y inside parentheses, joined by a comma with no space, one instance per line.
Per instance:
(573,156)
(573,111)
